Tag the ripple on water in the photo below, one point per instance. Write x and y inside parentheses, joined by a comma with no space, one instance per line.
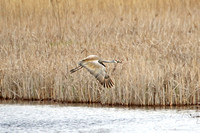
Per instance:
(53,118)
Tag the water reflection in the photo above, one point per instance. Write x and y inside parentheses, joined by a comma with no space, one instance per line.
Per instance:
(95,118)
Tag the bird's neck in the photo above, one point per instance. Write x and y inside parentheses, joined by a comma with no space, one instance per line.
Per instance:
(108,61)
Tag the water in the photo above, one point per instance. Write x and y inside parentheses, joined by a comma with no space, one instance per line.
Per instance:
(69,118)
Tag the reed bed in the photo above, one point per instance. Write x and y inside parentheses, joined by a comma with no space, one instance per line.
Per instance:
(158,42)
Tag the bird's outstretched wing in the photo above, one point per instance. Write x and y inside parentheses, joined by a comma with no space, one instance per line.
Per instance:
(98,70)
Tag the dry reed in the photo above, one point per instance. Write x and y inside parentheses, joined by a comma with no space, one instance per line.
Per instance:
(158,41)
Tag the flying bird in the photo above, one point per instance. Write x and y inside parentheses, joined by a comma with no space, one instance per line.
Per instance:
(95,66)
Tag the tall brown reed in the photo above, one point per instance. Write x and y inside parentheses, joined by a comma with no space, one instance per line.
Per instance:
(158,41)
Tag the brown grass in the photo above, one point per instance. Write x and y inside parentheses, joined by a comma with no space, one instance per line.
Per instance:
(158,41)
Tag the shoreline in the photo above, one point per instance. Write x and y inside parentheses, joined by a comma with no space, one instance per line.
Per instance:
(53,102)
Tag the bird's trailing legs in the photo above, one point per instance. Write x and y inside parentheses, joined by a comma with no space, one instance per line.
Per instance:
(76,69)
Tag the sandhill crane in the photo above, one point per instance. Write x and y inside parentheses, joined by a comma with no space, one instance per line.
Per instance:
(95,66)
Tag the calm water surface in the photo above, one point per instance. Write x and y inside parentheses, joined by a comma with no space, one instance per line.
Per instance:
(69,118)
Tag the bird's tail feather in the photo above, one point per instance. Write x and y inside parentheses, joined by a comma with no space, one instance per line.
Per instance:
(76,69)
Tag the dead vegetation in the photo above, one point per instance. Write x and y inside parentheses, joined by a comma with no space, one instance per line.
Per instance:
(158,41)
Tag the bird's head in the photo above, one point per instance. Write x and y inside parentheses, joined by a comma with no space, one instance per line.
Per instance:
(118,61)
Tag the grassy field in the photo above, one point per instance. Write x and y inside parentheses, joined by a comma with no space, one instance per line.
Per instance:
(157,40)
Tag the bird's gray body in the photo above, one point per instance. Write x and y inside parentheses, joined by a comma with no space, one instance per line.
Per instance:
(95,66)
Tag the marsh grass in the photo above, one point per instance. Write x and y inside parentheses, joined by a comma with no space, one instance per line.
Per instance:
(158,42)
